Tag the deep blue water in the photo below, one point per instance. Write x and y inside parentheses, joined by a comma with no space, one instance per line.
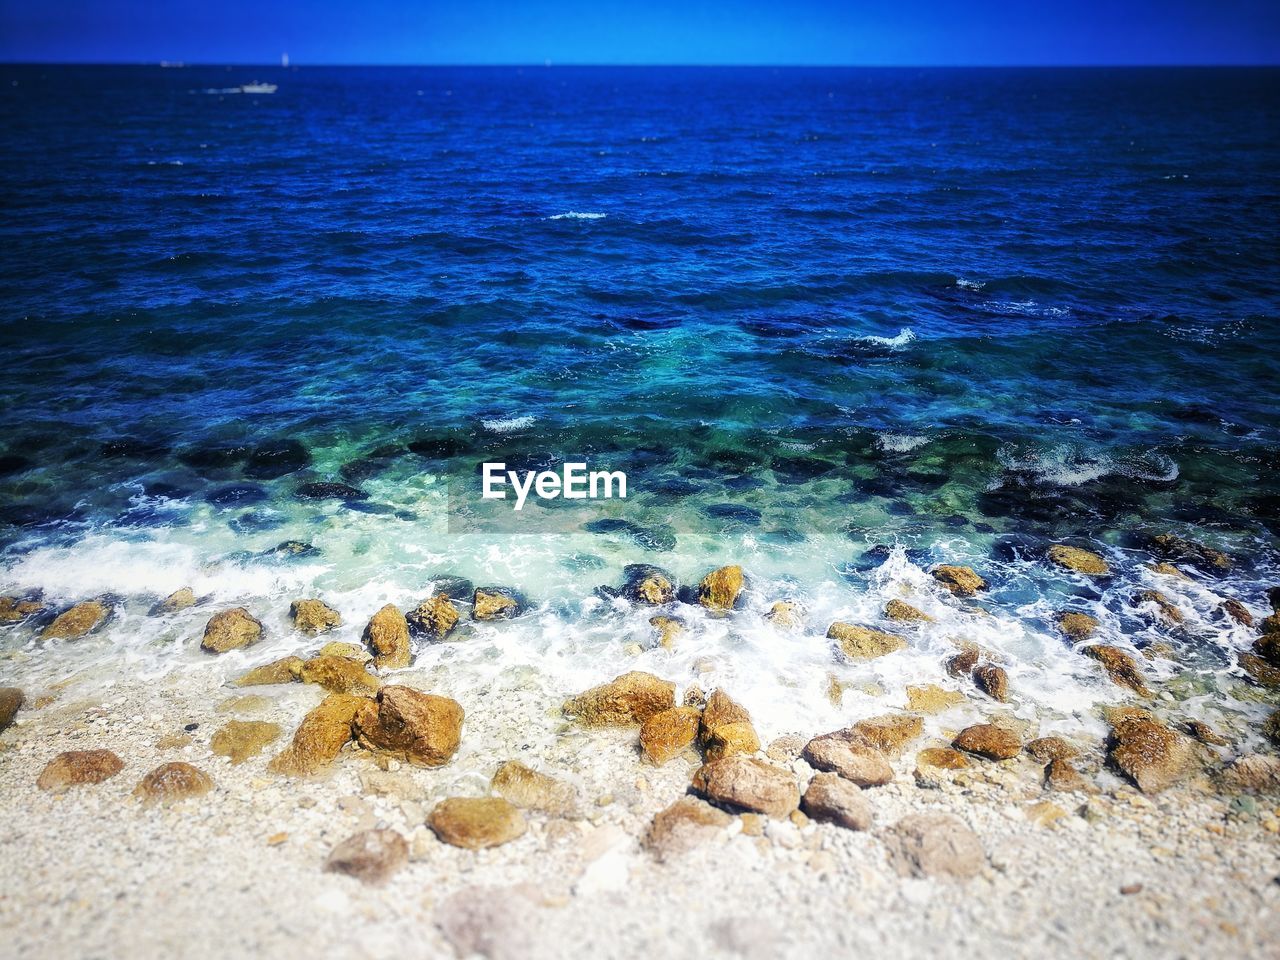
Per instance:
(892,303)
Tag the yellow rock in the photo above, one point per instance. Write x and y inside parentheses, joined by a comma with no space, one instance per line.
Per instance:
(242,739)
(890,733)
(314,616)
(336,648)
(75,623)
(961,581)
(628,700)
(785,615)
(476,822)
(905,613)
(435,617)
(339,675)
(230,630)
(531,790)
(419,728)
(319,738)
(930,698)
(721,588)
(863,643)
(729,739)
(1044,813)
(285,670)
(669,628)
(1080,561)
(171,782)
(387,637)
(76,767)
(494,604)
(667,734)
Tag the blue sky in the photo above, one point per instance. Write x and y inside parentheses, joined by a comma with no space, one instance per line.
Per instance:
(659,31)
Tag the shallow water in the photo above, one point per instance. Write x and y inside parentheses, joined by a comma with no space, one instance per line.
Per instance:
(810,312)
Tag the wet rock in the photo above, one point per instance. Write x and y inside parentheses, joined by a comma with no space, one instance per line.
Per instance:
(682,826)
(1147,752)
(726,728)
(495,603)
(647,584)
(1172,547)
(1165,609)
(1061,775)
(13,609)
(1267,646)
(962,664)
(694,697)
(371,856)
(171,782)
(863,643)
(889,733)
(628,700)
(720,589)
(1261,672)
(1237,611)
(230,630)
(76,767)
(320,737)
(348,651)
(285,670)
(669,628)
(1252,773)
(314,616)
(1045,749)
(1168,570)
(1078,560)
(530,790)
(434,618)
(1077,626)
(934,845)
(1271,729)
(993,681)
(476,822)
(11,700)
(989,741)
(418,728)
(74,623)
(845,753)
(324,490)
(749,784)
(905,613)
(290,550)
(961,581)
(935,764)
(1204,733)
(242,739)
(785,615)
(930,698)
(339,675)
(275,459)
(1120,667)
(178,600)
(387,637)
(666,735)
(831,798)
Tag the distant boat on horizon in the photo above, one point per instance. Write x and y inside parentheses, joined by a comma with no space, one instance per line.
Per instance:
(258,88)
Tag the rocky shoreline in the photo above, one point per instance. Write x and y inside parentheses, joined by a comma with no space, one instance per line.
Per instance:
(351,769)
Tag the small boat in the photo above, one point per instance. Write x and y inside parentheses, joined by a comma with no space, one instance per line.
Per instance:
(258,88)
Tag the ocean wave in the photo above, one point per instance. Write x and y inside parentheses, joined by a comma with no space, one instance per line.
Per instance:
(575,215)
(1067,465)
(508,424)
(1026,308)
(964,284)
(900,442)
(903,337)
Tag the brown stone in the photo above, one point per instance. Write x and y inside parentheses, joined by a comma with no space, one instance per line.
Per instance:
(682,826)
(667,734)
(961,581)
(1172,547)
(905,613)
(242,739)
(1061,775)
(785,615)
(729,739)
(476,822)
(962,664)
(933,764)
(348,651)
(314,616)
(178,600)
(1252,773)
(930,698)
(1077,626)
(889,733)
(1271,728)
(387,637)
(669,628)
(625,701)
(13,609)
(650,587)
(320,737)
(720,589)
(1120,667)
(848,755)
(494,603)
(863,643)
(831,798)
(11,700)
(1168,570)
(434,618)
(1205,733)
(74,623)
(76,767)
(1237,611)
(1078,561)
(1267,646)
(230,630)
(418,728)
(1045,749)
(988,741)
(1261,672)
(371,856)
(1148,753)
(339,675)
(530,790)
(285,670)
(1166,609)
(171,782)
(934,845)
(993,681)
(750,784)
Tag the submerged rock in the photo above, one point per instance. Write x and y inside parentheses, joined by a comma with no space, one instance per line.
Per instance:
(831,798)
(863,643)
(371,856)
(889,733)
(1120,667)
(682,826)
(1166,609)
(905,613)
(476,822)
(284,670)
(530,790)
(785,615)
(339,675)
(1077,626)
(934,764)
(750,784)
(74,623)
(418,728)
(726,728)
(931,698)
(387,637)
(242,739)
(230,630)
(77,767)
(993,681)
(845,753)
(314,616)
(626,701)
(171,782)
(666,735)
(934,845)
(647,584)
(961,581)
(11,700)
(669,628)
(1168,570)
(962,664)
(495,603)
(348,651)
(1172,547)
(13,609)
(325,490)
(720,589)
(989,741)
(320,737)
(1147,752)
(434,618)
(180,599)
(1078,560)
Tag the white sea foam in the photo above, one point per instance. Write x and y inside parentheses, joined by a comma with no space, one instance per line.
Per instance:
(575,215)
(900,442)
(903,337)
(964,284)
(1067,465)
(508,424)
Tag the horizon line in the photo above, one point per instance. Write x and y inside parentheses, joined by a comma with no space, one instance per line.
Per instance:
(547,65)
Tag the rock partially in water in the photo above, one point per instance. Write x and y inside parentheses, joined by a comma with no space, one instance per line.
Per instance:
(668,734)
(720,589)
(1237,611)
(1078,561)
(284,670)
(242,739)
(476,822)
(1147,752)
(1168,570)
(419,728)
(180,599)
(324,490)
(845,753)
(1164,608)
(434,618)
(993,681)
(1170,546)
(961,581)
(320,737)
(934,845)
(78,767)
(627,701)
(495,603)
(863,643)
(74,623)
(669,628)
(785,615)
(685,824)
(1267,647)
(314,617)
(11,700)
(1271,729)
(1252,773)
(749,784)
(988,741)
(646,584)
(934,765)
(1077,626)
(339,675)
(230,630)
(530,790)
(1120,667)
(1260,671)
(348,651)
(387,637)
(371,856)
(831,798)
(903,612)
(13,609)
(171,782)
(1205,734)
(962,664)
(931,698)
(726,728)
(889,733)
